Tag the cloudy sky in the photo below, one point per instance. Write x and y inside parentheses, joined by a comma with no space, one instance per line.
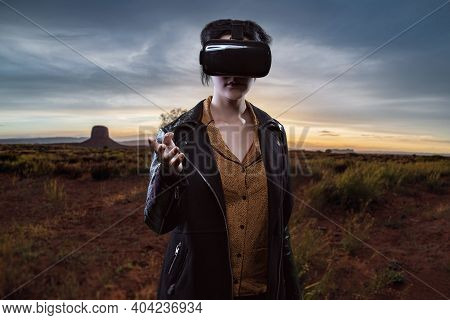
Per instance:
(129,60)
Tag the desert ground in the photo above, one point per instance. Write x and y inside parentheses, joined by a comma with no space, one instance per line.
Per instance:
(363,226)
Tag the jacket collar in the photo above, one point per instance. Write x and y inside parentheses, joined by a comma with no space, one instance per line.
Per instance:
(194,115)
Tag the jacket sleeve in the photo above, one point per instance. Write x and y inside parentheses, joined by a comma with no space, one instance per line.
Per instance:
(290,269)
(162,208)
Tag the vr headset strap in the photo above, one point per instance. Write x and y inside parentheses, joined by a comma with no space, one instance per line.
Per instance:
(237,30)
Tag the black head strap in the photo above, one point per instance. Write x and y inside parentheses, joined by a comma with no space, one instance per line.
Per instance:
(237,30)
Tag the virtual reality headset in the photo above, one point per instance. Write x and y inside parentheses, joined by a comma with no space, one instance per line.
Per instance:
(235,56)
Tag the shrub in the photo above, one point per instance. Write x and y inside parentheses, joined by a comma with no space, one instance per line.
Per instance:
(434,182)
(54,192)
(353,190)
(361,184)
(103,171)
(311,248)
(72,171)
(389,276)
(392,175)
(323,193)
(8,157)
(358,187)
(358,228)
(33,166)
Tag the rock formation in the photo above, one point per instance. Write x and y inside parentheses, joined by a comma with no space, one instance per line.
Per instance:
(100,139)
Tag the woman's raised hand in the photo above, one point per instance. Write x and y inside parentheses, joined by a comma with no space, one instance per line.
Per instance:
(168,153)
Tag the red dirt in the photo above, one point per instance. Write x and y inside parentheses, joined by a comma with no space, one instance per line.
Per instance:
(125,261)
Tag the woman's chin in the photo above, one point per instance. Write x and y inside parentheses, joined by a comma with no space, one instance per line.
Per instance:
(235,93)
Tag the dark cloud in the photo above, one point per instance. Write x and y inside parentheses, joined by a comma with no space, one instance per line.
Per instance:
(153,47)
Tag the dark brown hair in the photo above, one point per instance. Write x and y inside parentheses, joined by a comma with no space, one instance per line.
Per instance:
(218,28)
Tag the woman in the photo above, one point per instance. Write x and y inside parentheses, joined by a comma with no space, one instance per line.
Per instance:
(219,182)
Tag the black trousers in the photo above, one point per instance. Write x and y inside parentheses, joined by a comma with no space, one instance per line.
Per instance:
(260,296)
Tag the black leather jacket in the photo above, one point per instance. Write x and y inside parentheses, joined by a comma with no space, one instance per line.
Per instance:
(192,207)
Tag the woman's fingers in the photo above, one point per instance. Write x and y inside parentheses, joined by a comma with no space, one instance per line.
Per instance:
(159,148)
(168,152)
(153,144)
(167,140)
(177,161)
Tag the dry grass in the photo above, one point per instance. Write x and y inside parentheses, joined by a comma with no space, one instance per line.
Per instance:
(72,162)
(352,190)
(358,231)
(356,185)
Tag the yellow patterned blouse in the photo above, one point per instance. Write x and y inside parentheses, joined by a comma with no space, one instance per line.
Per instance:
(245,191)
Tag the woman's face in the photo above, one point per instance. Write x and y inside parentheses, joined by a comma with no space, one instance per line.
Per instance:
(223,87)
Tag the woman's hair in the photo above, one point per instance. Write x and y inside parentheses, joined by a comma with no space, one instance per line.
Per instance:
(218,28)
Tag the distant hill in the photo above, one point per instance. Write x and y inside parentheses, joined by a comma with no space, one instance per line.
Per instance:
(43,140)
(340,151)
(100,139)
(66,140)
